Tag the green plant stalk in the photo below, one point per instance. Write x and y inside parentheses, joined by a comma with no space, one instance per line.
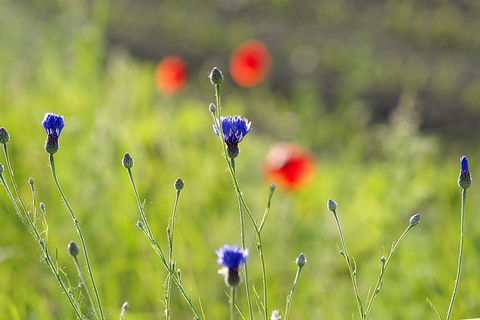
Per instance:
(46,254)
(378,285)
(267,210)
(245,268)
(460,254)
(290,295)
(350,268)
(231,167)
(70,298)
(241,202)
(171,257)
(232,302)
(14,183)
(25,221)
(80,234)
(158,250)
(34,205)
(85,283)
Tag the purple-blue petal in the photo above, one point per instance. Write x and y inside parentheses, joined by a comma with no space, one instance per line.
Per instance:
(234,129)
(232,257)
(464,164)
(53,124)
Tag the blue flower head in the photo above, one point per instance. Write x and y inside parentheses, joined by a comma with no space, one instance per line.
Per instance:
(53,125)
(233,259)
(234,130)
(464,179)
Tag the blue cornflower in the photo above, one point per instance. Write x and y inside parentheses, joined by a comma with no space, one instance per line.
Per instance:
(234,130)
(464,179)
(53,125)
(233,259)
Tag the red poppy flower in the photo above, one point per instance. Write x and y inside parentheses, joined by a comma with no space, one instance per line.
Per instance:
(250,63)
(171,75)
(289,166)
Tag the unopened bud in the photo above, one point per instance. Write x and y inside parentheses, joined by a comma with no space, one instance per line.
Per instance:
(212,108)
(4,136)
(301,260)
(273,187)
(139,224)
(127,161)
(331,205)
(216,76)
(73,249)
(464,179)
(179,184)
(42,206)
(415,219)
(125,305)
(31,182)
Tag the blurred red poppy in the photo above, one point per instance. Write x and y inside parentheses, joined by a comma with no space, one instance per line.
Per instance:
(171,75)
(289,166)
(250,63)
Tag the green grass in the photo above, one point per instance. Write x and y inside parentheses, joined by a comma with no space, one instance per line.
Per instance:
(379,176)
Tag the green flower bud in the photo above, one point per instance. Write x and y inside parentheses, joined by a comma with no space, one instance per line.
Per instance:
(216,76)
(301,260)
(127,161)
(179,184)
(212,108)
(415,219)
(4,136)
(73,249)
(331,205)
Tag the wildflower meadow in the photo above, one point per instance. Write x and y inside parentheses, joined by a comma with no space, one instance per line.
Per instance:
(197,186)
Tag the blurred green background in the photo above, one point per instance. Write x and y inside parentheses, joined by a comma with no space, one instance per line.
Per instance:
(385,93)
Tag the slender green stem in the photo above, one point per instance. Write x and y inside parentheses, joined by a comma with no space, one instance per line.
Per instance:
(267,209)
(46,254)
(25,221)
(14,183)
(242,203)
(80,234)
(84,282)
(378,285)
(290,295)
(67,293)
(460,254)
(242,242)
(140,207)
(158,250)
(232,302)
(171,258)
(350,267)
